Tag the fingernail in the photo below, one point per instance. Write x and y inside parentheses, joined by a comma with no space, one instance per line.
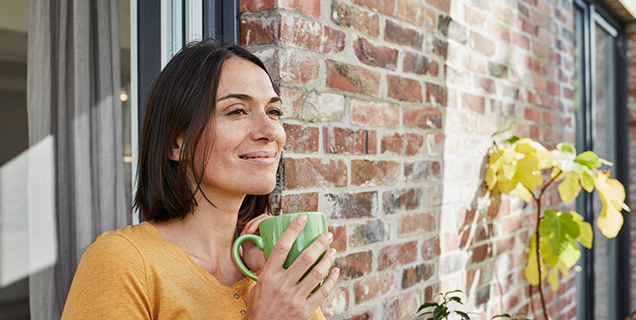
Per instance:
(336,271)
(301,219)
(332,252)
(329,237)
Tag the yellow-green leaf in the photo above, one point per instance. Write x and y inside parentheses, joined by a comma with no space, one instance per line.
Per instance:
(587,180)
(588,159)
(528,172)
(612,196)
(587,234)
(570,188)
(523,193)
(553,277)
(559,228)
(532,271)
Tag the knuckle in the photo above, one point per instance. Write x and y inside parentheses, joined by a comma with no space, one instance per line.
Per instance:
(281,248)
(305,258)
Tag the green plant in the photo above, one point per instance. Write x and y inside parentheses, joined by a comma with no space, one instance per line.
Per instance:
(441,310)
(518,168)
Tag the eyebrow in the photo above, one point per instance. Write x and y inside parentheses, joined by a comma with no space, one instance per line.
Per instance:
(246,97)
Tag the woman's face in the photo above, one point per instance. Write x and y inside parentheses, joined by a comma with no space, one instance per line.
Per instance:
(247,136)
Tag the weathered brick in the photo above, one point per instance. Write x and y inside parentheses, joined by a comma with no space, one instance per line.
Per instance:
(485,84)
(473,102)
(256,5)
(311,35)
(404,89)
(422,171)
(366,172)
(300,202)
(422,117)
(414,144)
(474,17)
(405,199)
(339,237)
(308,7)
(372,113)
(354,265)
(397,254)
(347,16)
(352,205)
(452,29)
(346,77)
(417,14)
(394,32)
(321,107)
(383,6)
(298,67)
(436,94)
(366,315)
(370,231)
(369,288)
(375,55)
(302,139)
(416,274)
(482,44)
(497,70)
(292,101)
(481,253)
(435,144)
(402,306)
(314,172)
(499,30)
(416,223)
(258,30)
(419,64)
(443,5)
(393,143)
(344,140)
(430,248)
(337,302)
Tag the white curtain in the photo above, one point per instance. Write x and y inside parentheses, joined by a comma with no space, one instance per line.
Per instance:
(75,112)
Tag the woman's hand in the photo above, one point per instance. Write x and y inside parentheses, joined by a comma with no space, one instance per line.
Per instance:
(253,257)
(278,294)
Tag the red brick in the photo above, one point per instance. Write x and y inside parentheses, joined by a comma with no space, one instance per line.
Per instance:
(435,144)
(293,100)
(436,94)
(369,288)
(308,7)
(298,67)
(416,223)
(393,143)
(553,88)
(258,30)
(354,265)
(403,306)
(348,16)
(503,12)
(366,172)
(256,5)
(546,7)
(419,64)
(346,77)
(351,205)
(404,199)
(532,114)
(443,5)
(339,237)
(375,55)
(539,82)
(422,117)
(474,17)
(302,139)
(482,44)
(404,89)
(372,113)
(414,143)
(417,14)
(397,254)
(546,37)
(383,6)
(300,202)
(438,47)
(337,302)
(311,35)
(314,172)
(549,118)
(422,171)
(528,27)
(394,32)
(344,140)
(520,40)
(415,274)
(430,248)
(473,102)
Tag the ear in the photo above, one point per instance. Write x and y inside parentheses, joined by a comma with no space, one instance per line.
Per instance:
(175,150)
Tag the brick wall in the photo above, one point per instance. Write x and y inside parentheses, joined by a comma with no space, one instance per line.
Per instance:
(631,109)
(389,110)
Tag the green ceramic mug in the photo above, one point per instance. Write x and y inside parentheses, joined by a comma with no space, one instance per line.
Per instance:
(272,228)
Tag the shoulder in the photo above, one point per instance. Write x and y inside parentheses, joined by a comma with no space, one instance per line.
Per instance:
(121,246)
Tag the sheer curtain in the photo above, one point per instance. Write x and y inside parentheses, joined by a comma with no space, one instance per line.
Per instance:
(75,114)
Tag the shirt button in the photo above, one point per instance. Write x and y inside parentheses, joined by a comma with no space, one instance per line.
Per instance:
(243,312)
(236,296)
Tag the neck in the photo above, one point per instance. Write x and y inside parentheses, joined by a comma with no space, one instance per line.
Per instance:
(206,235)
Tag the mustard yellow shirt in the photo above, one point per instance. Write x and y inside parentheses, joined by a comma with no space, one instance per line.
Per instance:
(135,273)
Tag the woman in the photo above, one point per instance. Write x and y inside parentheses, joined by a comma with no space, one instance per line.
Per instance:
(208,154)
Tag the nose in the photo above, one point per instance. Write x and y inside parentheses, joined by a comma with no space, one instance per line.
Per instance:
(264,127)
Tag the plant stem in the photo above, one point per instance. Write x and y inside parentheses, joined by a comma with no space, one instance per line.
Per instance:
(536,237)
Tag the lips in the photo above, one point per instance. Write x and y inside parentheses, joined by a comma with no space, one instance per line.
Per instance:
(259,155)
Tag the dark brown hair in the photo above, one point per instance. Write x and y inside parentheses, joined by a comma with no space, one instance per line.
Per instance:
(182,101)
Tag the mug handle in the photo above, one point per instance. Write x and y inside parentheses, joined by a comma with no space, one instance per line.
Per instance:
(237,257)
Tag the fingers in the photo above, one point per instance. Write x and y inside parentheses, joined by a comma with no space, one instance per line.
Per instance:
(283,245)
(317,274)
(252,225)
(310,255)
(323,292)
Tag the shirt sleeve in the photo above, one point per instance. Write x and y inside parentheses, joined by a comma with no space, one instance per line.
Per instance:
(110,283)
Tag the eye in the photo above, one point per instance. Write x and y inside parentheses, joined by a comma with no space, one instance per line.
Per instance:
(275,112)
(237,111)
